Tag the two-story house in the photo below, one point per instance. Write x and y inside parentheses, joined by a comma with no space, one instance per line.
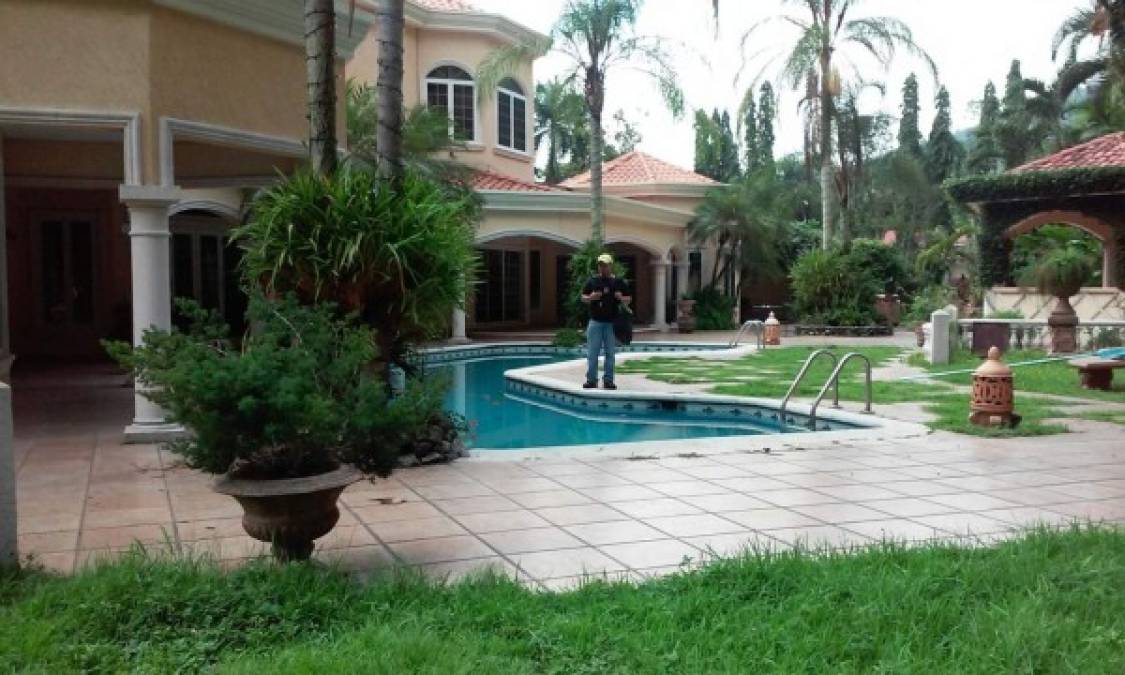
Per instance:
(134,132)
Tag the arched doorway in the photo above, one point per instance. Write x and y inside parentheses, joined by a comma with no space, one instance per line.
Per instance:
(522,281)
(1086,226)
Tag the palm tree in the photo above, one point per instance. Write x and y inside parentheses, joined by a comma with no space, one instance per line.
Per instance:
(1103,74)
(389,87)
(559,110)
(595,37)
(320,67)
(744,221)
(827,38)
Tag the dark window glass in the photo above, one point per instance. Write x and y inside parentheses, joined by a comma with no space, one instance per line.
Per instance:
(504,115)
(437,97)
(82,271)
(209,284)
(183,272)
(449,73)
(54,272)
(463,112)
(489,295)
(563,301)
(513,285)
(695,269)
(235,299)
(535,285)
(519,124)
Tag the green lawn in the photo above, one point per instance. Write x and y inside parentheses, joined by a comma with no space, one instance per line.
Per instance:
(768,373)
(1048,603)
(1055,377)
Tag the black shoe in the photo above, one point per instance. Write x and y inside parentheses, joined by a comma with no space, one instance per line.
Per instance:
(609,385)
(590,385)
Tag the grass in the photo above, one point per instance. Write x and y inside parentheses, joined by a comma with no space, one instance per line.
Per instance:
(767,374)
(1055,377)
(1048,602)
(1115,417)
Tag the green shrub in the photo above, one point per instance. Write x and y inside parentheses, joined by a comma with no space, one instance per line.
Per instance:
(1106,338)
(885,263)
(713,309)
(929,300)
(829,289)
(296,398)
(402,258)
(1006,314)
(1063,272)
(568,337)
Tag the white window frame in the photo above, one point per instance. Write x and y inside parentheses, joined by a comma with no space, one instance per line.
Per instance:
(512,95)
(449,85)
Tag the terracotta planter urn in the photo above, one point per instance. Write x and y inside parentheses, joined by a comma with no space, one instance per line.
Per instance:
(290,513)
(685,316)
(1063,322)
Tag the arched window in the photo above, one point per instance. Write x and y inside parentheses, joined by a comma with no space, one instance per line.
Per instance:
(451,89)
(511,116)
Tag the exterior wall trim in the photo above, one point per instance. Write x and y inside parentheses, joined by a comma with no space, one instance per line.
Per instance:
(128,123)
(538,234)
(473,22)
(282,21)
(172,128)
(222,210)
(579,202)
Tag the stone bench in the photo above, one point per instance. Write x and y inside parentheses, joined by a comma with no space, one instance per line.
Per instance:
(1097,373)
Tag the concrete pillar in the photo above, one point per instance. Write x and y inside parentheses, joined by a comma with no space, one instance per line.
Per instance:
(660,295)
(150,251)
(9,553)
(5,330)
(938,344)
(458,390)
(458,332)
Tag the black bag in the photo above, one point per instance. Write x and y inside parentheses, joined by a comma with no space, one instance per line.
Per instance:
(623,326)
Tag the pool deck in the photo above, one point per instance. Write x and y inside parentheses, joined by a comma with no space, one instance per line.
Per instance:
(84,495)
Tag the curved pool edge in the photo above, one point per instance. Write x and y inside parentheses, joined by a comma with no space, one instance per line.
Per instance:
(868,428)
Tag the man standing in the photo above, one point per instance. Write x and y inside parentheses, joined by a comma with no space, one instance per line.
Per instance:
(605,294)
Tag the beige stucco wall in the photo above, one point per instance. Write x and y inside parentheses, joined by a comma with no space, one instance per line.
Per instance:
(686,204)
(129,56)
(425,49)
(25,158)
(575,227)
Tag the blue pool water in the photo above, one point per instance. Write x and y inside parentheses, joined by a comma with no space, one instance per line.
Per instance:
(504,421)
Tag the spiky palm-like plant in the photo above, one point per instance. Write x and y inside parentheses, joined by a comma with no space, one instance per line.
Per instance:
(559,109)
(828,37)
(596,37)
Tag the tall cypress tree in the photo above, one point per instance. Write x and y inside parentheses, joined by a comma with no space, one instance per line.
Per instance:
(909,135)
(767,111)
(704,144)
(942,149)
(729,167)
(985,155)
(1013,130)
(750,133)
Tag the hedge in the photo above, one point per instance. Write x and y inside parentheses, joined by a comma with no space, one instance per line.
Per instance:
(1038,184)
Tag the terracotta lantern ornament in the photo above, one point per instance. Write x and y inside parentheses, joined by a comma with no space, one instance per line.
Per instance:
(772,330)
(993,397)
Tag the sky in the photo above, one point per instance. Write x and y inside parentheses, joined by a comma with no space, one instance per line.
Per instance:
(971,42)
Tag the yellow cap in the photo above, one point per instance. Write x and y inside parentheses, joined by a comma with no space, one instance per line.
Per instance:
(605,258)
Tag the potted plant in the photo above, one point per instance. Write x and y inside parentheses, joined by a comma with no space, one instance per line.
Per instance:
(287,419)
(1062,274)
(685,315)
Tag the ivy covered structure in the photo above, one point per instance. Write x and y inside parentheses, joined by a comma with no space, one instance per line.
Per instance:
(1082,186)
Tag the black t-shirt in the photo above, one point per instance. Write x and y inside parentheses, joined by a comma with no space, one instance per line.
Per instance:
(605,308)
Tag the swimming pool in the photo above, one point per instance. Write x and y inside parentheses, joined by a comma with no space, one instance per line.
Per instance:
(510,415)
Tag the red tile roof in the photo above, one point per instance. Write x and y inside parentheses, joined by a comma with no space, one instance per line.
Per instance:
(487,180)
(1108,150)
(635,168)
(445,5)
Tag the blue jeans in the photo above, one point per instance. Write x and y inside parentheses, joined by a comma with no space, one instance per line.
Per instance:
(599,337)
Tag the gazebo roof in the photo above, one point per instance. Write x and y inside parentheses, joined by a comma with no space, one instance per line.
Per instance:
(1093,169)
(1108,150)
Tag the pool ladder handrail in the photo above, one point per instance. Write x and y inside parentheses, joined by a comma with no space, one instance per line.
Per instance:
(752,323)
(835,378)
(801,375)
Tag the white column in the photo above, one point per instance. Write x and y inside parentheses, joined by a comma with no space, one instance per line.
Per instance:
(458,390)
(660,294)
(149,238)
(9,554)
(938,345)
(459,334)
(5,330)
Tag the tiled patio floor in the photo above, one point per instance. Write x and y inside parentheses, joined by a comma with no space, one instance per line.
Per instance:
(83,494)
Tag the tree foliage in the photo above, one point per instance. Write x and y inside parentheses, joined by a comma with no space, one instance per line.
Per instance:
(909,133)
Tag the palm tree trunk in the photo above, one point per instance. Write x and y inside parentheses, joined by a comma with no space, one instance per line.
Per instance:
(595,101)
(320,66)
(826,127)
(388,136)
(554,174)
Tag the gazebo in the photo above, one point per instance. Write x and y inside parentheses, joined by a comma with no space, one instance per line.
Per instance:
(1082,186)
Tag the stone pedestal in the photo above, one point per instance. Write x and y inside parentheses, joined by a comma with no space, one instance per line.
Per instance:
(1063,323)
